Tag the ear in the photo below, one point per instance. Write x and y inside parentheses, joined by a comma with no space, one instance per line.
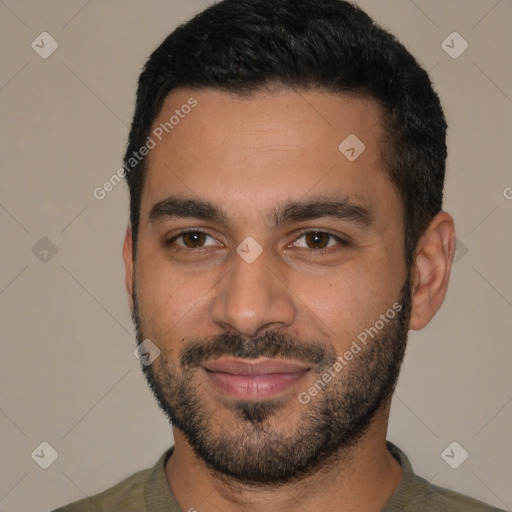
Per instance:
(128,263)
(431,269)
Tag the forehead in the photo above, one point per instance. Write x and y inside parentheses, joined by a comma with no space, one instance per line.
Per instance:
(256,152)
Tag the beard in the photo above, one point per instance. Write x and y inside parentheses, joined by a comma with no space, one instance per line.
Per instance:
(255,446)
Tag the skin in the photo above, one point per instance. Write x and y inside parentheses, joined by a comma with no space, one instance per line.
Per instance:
(250,155)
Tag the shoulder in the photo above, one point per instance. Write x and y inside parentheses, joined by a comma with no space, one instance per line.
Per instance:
(416,493)
(127,495)
(453,501)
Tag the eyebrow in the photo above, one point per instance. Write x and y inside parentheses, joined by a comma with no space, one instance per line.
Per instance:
(310,209)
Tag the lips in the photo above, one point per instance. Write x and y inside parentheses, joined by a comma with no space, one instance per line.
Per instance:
(260,378)
(261,366)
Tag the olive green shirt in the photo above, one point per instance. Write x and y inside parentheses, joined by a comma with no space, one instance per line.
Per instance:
(148,491)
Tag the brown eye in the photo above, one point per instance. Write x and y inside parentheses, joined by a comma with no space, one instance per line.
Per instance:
(191,240)
(319,240)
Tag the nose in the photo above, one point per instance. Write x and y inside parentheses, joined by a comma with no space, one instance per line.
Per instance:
(251,298)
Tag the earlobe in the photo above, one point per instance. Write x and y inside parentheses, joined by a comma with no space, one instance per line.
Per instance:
(431,270)
(128,263)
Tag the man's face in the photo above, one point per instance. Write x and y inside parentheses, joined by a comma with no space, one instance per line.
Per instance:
(298,251)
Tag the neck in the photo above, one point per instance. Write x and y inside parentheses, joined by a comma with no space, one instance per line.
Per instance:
(362,478)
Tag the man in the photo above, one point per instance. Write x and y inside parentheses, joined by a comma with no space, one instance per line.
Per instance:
(286,166)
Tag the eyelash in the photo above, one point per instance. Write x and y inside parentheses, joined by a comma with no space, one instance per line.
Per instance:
(341,241)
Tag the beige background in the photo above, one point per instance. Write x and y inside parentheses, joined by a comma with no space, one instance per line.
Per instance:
(68,375)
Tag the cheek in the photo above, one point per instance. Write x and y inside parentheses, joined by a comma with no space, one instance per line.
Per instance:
(339,302)
(343,304)
(169,299)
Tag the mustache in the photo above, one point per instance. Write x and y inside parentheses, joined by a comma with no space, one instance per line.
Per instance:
(271,344)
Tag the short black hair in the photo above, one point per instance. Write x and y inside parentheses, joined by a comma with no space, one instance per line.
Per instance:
(244,46)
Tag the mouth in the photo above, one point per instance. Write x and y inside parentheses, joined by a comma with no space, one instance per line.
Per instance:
(254,379)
